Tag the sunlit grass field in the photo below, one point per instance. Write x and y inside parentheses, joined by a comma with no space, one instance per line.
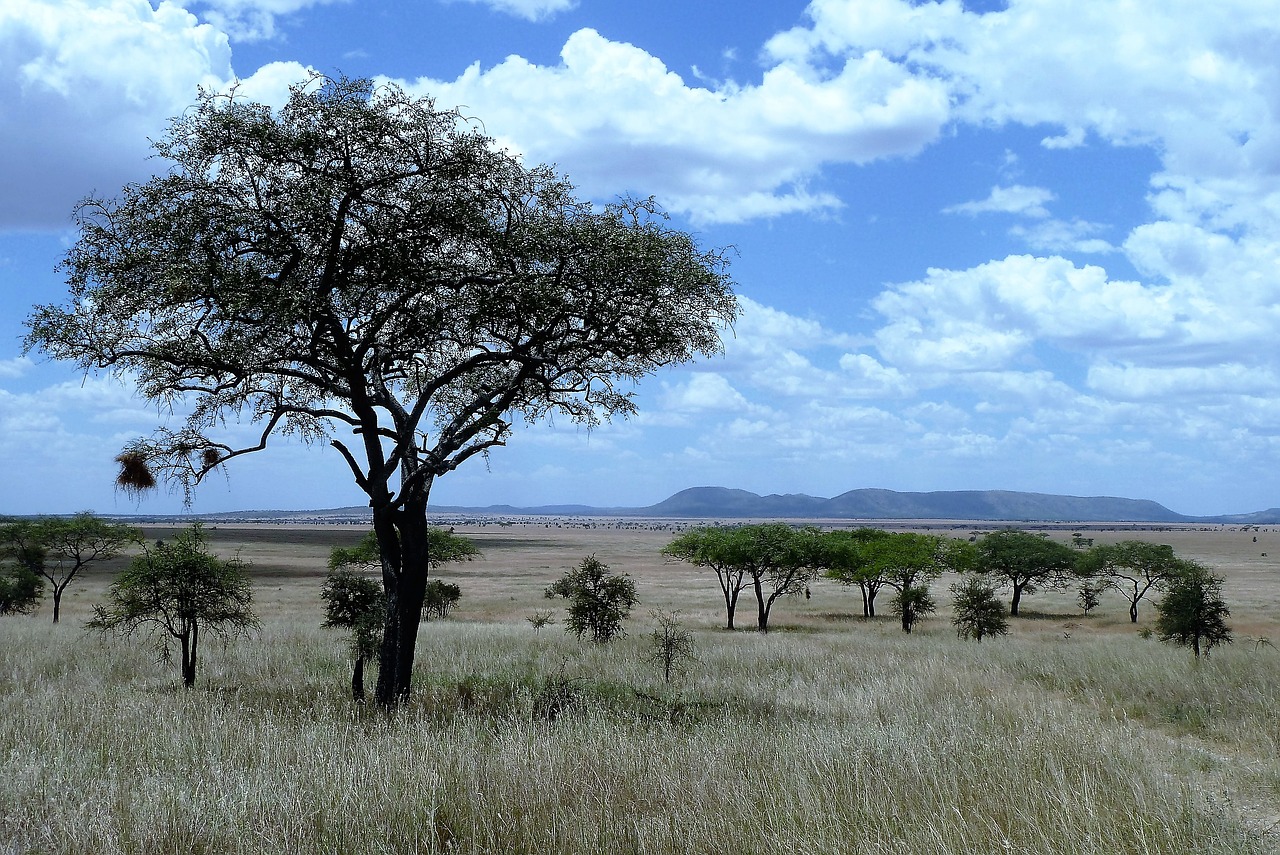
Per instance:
(830,734)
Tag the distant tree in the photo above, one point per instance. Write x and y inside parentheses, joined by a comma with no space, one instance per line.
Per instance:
(911,603)
(774,560)
(440,599)
(444,547)
(849,557)
(1024,561)
(174,591)
(65,546)
(21,567)
(781,562)
(361,269)
(1089,596)
(720,549)
(1132,567)
(671,646)
(599,601)
(1192,612)
(354,601)
(21,588)
(539,619)
(908,562)
(977,612)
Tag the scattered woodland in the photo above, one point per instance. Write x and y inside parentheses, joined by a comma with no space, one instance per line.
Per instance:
(1073,729)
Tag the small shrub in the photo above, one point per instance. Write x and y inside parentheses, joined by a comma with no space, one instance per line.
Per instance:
(978,613)
(671,646)
(598,601)
(21,590)
(440,599)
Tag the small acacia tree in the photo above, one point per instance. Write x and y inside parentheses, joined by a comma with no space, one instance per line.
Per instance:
(65,546)
(976,611)
(1192,612)
(717,548)
(173,592)
(362,269)
(354,601)
(671,646)
(1132,567)
(599,601)
(908,562)
(849,557)
(1024,561)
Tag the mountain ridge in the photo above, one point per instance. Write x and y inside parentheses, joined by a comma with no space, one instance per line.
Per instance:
(867,503)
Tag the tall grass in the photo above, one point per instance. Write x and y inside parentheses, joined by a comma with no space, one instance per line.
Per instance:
(857,739)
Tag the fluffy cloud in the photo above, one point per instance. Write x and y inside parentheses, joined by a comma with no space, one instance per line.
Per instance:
(618,120)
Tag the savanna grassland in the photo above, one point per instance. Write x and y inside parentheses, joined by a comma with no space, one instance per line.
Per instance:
(830,734)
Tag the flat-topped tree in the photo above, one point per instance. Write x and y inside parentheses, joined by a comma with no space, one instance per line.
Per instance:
(362,269)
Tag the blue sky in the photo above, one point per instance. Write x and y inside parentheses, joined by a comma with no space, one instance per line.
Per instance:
(1031,245)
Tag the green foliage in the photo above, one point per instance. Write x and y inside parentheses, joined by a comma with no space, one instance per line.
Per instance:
(912,603)
(598,601)
(1192,612)
(21,589)
(1025,562)
(1089,596)
(850,557)
(58,548)
(1132,567)
(539,619)
(976,611)
(173,592)
(774,559)
(354,601)
(443,546)
(671,646)
(440,599)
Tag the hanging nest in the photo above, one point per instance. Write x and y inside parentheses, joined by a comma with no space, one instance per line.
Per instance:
(135,476)
(210,457)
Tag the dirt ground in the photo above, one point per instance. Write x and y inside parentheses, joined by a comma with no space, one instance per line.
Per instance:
(520,558)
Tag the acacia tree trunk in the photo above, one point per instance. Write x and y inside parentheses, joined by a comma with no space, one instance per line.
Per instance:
(1133,611)
(762,610)
(357,680)
(190,639)
(1017,598)
(57,602)
(402,540)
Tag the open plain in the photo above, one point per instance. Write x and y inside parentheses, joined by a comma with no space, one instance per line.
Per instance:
(831,734)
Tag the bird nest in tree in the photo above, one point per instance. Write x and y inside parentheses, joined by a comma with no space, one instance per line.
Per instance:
(135,476)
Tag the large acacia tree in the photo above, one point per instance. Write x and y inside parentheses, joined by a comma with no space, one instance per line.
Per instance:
(363,269)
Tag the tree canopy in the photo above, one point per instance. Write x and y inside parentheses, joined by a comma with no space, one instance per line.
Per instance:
(176,590)
(364,269)
(1192,612)
(1025,562)
(1132,567)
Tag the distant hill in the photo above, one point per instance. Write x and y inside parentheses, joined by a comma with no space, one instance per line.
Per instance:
(862,504)
(872,504)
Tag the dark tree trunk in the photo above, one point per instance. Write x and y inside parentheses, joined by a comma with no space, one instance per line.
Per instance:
(871,602)
(402,539)
(866,604)
(1133,611)
(730,606)
(357,681)
(189,642)
(1017,598)
(57,602)
(762,607)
